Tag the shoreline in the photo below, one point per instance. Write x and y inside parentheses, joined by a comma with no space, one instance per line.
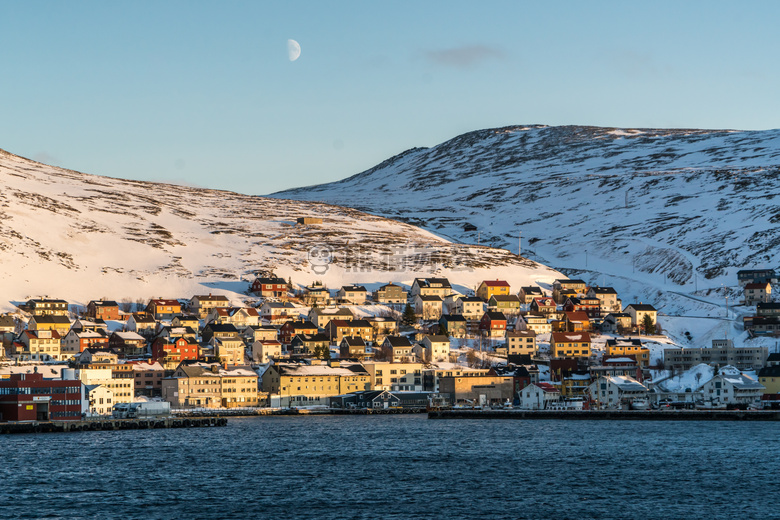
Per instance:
(618,415)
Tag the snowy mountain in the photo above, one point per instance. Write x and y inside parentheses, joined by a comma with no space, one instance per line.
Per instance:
(76,236)
(664,215)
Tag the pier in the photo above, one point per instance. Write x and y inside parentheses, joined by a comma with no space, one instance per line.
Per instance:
(611,415)
(150,423)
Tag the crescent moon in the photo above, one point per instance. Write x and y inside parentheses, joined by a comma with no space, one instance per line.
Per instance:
(293,50)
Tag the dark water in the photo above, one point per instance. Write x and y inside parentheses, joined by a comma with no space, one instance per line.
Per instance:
(403,467)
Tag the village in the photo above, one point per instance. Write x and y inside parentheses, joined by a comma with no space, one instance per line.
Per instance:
(399,348)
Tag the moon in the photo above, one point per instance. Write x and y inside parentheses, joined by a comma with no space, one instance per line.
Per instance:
(293,50)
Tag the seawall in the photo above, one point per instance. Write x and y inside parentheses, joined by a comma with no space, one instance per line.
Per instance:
(616,415)
(110,424)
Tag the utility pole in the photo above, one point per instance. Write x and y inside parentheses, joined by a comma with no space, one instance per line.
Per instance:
(479,233)
(520,243)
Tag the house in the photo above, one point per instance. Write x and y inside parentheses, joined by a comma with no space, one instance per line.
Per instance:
(148,378)
(616,391)
(276,313)
(98,400)
(470,307)
(170,352)
(431,287)
(590,306)
(746,276)
(538,396)
(92,356)
(321,316)
(758,292)
(50,322)
(768,310)
(30,397)
(508,304)
(397,349)
(576,321)
(625,365)
(490,288)
(570,344)
(306,385)
(521,342)
(479,390)
(616,323)
(211,386)
(382,327)
(565,287)
(521,377)
(608,297)
(228,350)
(265,350)
(493,324)
(390,293)
(270,287)
(45,306)
(351,347)
(638,311)
(454,325)
(252,334)
(575,385)
(128,343)
(429,307)
(762,325)
(186,320)
(369,399)
(311,344)
(355,294)
(769,377)
(544,306)
(76,342)
(527,294)
(316,296)
(39,345)
(162,309)
(117,377)
(103,310)
(239,317)
(339,329)
(730,387)
(437,347)
(219,330)
(629,347)
(383,375)
(142,323)
(535,322)
(202,305)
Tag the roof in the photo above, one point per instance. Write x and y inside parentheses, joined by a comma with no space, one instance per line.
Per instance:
(142,317)
(626,383)
(162,302)
(741,381)
(642,307)
(353,341)
(754,271)
(49,318)
(545,301)
(494,316)
(398,341)
(770,371)
(272,280)
(341,311)
(569,337)
(222,327)
(453,317)
(307,338)
(603,290)
(430,282)
(211,298)
(756,285)
(34,334)
(430,298)
(103,303)
(438,338)
(495,283)
(521,334)
(505,298)
(353,288)
(569,281)
(768,305)
(577,316)
(624,342)
(547,387)
(299,370)
(532,289)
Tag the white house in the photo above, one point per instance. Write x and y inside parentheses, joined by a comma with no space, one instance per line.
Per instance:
(616,391)
(264,350)
(538,396)
(437,347)
(730,386)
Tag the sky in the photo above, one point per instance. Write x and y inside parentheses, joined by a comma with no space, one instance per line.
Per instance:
(204,93)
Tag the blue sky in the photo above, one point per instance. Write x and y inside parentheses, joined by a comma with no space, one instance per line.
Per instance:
(203,93)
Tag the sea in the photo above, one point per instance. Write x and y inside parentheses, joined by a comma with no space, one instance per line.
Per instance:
(398,467)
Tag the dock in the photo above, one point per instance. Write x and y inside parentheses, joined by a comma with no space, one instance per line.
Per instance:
(611,415)
(150,423)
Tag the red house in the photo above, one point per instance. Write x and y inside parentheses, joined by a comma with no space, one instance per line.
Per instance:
(294,327)
(172,351)
(103,310)
(30,397)
(592,306)
(272,287)
(493,324)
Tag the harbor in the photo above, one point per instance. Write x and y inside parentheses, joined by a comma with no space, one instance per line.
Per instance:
(615,415)
(109,424)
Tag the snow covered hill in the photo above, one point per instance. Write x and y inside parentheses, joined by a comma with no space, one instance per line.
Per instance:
(76,236)
(663,215)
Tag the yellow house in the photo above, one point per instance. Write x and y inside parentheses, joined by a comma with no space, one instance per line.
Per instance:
(490,288)
(306,385)
(382,374)
(575,385)
(629,347)
(570,344)
(238,388)
(769,376)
